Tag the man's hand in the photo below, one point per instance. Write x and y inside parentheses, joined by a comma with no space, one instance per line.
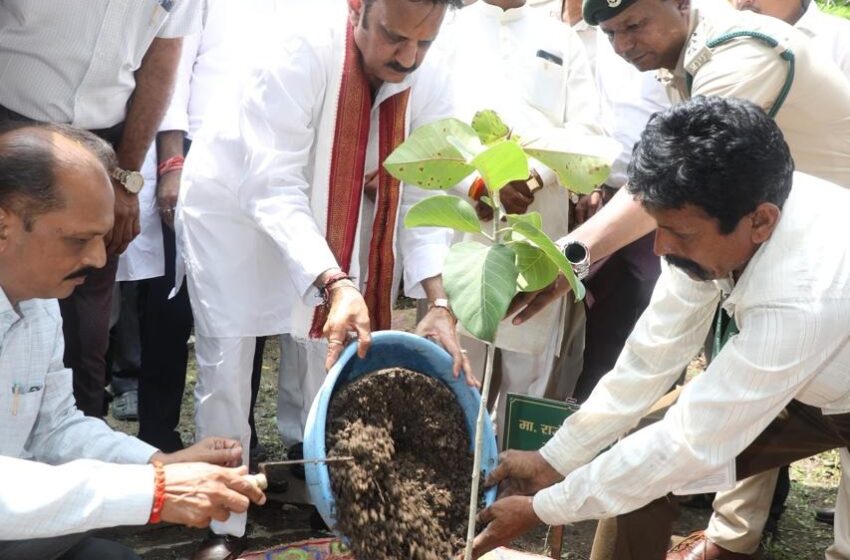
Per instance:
(441,326)
(588,205)
(196,493)
(215,450)
(126,226)
(522,473)
(348,312)
(530,304)
(506,520)
(167,191)
(515,198)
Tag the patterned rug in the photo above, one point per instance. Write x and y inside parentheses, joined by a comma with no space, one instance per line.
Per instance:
(315,549)
(333,549)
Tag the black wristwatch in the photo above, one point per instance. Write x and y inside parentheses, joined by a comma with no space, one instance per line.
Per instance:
(578,256)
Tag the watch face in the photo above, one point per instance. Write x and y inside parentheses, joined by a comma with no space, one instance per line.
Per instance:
(575,253)
(134,182)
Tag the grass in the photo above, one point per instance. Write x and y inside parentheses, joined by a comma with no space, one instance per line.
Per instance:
(840,9)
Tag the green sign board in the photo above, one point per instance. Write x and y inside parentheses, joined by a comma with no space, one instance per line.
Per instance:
(530,422)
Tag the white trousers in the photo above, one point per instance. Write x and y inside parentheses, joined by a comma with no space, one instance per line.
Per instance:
(223,401)
(526,374)
(301,374)
(740,514)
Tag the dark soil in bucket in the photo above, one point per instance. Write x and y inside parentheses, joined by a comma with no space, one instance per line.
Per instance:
(406,495)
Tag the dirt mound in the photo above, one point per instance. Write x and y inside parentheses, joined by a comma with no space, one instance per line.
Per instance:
(406,495)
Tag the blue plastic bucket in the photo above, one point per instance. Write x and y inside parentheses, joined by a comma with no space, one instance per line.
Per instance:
(389,349)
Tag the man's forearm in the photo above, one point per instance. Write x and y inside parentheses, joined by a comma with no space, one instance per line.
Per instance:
(154,85)
(169,143)
(433,287)
(617,224)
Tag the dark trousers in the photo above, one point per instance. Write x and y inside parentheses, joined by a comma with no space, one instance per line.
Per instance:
(68,547)
(798,432)
(619,291)
(85,324)
(166,325)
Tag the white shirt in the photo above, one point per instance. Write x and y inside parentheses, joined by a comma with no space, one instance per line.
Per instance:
(40,426)
(829,33)
(627,98)
(73,61)
(251,242)
(496,63)
(212,63)
(791,304)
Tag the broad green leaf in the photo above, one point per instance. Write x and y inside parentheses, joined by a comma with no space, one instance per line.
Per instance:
(500,164)
(536,236)
(480,282)
(581,162)
(489,126)
(436,155)
(533,218)
(536,269)
(443,211)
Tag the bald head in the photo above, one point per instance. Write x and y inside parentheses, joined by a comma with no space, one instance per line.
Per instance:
(33,156)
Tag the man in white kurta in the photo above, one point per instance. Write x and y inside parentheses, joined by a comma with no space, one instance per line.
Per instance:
(531,69)
(255,206)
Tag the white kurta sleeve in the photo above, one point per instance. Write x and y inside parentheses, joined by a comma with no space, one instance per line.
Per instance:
(62,433)
(423,250)
(277,126)
(39,501)
(779,350)
(177,115)
(582,110)
(666,337)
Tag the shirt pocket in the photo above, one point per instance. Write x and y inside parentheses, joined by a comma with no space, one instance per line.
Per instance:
(20,412)
(544,84)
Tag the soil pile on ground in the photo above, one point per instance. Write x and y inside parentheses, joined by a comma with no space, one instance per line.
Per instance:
(406,495)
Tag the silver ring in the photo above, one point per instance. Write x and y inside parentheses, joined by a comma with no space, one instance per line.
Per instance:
(334,341)
(462,351)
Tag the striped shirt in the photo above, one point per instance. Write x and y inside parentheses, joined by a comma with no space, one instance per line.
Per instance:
(73,61)
(791,304)
(63,472)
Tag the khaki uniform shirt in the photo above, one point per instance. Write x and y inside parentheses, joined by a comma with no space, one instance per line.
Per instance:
(815,116)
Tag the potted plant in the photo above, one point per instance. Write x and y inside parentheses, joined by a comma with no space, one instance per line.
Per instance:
(482,279)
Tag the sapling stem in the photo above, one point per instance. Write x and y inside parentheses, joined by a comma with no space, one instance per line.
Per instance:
(482,410)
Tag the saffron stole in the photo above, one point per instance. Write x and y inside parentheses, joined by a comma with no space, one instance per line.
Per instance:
(348,162)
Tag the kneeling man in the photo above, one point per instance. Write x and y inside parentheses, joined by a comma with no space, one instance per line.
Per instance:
(64,473)
(736,227)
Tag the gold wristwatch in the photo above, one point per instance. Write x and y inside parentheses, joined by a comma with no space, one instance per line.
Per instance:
(132,181)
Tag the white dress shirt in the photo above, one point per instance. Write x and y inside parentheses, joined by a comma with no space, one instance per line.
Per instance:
(247,221)
(73,61)
(532,70)
(627,98)
(60,468)
(791,304)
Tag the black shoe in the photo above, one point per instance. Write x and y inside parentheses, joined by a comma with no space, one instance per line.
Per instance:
(825,515)
(296,453)
(221,547)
